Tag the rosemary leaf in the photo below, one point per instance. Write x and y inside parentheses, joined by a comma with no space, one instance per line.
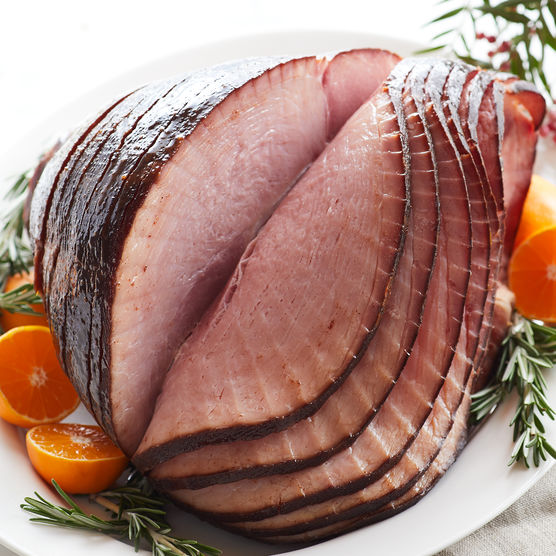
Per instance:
(15,247)
(447,15)
(137,516)
(528,349)
(20,300)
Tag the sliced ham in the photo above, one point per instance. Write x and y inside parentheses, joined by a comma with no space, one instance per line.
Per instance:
(303,305)
(276,283)
(141,217)
(405,410)
(432,435)
(452,446)
(345,415)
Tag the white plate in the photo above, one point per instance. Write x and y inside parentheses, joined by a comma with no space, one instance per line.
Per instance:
(478,486)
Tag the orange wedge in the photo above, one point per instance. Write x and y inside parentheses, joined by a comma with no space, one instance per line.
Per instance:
(80,458)
(539,210)
(11,320)
(33,387)
(532,269)
(532,276)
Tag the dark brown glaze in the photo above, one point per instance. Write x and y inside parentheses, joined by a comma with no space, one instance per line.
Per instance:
(87,259)
(403,327)
(46,187)
(34,179)
(70,208)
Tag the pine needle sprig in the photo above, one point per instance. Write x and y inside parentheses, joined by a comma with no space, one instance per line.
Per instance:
(527,351)
(137,515)
(525,32)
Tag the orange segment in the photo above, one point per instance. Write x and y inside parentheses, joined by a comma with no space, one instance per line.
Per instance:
(80,458)
(539,209)
(33,386)
(11,320)
(532,276)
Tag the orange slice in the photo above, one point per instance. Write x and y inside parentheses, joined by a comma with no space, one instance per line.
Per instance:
(11,320)
(532,276)
(532,269)
(33,387)
(80,458)
(539,210)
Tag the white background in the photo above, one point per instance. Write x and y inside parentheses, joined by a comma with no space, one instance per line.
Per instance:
(51,52)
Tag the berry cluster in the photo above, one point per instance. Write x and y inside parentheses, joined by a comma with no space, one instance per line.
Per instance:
(500,48)
(548,129)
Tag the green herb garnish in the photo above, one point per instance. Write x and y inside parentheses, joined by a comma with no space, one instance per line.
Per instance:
(15,248)
(528,349)
(524,33)
(137,512)
(20,300)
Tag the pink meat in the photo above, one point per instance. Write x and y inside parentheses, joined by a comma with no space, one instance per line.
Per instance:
(268,131)
(304,297)
(410,401)
(346,413)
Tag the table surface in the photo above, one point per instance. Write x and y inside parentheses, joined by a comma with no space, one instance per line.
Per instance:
(53,52)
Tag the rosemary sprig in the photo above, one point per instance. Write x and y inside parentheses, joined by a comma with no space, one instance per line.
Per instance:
(525,31)
(528,349)
(15,250)
(138,515)
(15,247)
(20,300)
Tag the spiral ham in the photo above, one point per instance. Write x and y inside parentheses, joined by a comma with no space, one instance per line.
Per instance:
(276,283)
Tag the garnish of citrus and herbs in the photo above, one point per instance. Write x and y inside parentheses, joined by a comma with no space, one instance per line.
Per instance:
(529,348)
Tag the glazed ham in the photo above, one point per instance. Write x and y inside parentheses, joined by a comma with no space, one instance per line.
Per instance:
(130,192)
(276,283)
